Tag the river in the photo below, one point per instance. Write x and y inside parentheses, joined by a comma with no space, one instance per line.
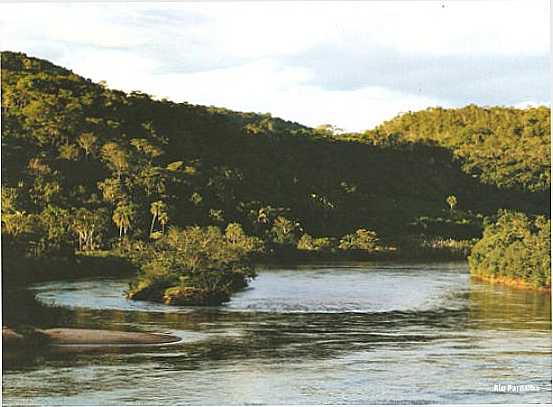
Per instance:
(356,333)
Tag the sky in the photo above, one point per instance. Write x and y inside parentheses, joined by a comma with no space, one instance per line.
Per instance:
(349,64)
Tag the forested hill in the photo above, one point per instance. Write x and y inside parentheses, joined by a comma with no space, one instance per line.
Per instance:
(506,147)
(76,153)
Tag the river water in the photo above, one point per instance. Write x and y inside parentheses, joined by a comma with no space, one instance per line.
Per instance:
(366,333)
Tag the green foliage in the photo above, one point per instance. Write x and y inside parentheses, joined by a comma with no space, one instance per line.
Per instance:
(284,231)
(446,247)
(158,209)
(506,147)
(318,245)
(451,224)
(87,141)
(195,266)
(235,235)
(112,190)
(89,227)
(116,157)
(362,240)
(82,149)
(69,152)
(452,201)
(123,217)
(515,247)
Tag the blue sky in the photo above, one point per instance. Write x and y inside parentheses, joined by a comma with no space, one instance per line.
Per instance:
(350,64)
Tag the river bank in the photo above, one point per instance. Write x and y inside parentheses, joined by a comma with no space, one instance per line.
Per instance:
(511,282)
(21,270)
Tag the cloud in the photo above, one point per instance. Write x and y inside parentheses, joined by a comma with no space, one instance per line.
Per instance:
(266,86)
(502,79)
(352,64)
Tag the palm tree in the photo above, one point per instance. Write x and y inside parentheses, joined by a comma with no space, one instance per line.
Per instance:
(163,219)
(123,217)
(452,202)
(87,141)
(116,157)
(158,209)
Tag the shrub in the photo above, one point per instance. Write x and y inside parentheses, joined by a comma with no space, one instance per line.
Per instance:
(452,247)
(515,247)
(320,244)
(284,231)
(362,240)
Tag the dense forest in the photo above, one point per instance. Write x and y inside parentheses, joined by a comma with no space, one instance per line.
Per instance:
(87,170)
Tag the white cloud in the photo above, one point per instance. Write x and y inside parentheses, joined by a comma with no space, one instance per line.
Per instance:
(263,86)
(238,55)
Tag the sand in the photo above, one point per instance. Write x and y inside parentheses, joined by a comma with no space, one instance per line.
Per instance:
(84,337)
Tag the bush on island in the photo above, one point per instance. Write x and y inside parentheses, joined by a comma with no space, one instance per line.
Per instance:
(196,266)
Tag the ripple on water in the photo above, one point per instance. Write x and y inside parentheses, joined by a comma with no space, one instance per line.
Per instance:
(355,333)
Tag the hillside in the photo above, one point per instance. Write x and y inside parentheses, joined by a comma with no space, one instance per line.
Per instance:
(506,147)
(83,164)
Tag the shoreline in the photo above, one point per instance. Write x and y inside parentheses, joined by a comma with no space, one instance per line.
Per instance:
(108,264)
(510,282)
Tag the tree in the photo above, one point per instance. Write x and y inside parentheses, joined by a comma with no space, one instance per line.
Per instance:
(112,190)
(10,199)
(234,232)
(152,179)
(149,150)
(88,226)
(163,218)
(217,215)
(87,141)
(16,223)
(452,202)
(284,231)
(158,209)
(196,266)
(69,152)
(123,217)
(362,240)
(57,222)
(116,157)
(321,244)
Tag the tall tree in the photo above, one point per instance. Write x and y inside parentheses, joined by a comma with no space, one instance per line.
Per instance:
(158,209)
(87,141)
(123,217)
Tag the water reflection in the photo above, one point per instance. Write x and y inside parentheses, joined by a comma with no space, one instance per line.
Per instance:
(499,307)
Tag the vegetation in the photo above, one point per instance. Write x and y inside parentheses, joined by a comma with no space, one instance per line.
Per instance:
(516,249)
(194,266)
(506,147)
(86,169)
